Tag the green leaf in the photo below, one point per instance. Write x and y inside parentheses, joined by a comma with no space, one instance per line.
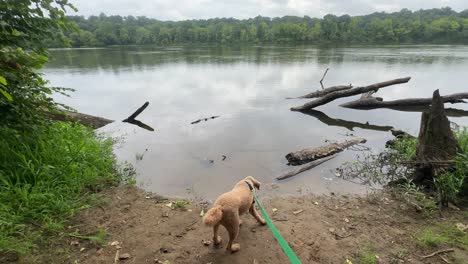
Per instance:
(15,33)
(3,80)
(7,95)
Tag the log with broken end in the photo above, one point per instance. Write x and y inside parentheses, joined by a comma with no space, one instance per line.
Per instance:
(306,167)
(373,103)
(349,92)
(94,122)
(308,155)
(323,92)
(131,119)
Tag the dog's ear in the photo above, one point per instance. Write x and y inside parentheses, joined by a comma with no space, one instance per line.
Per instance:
(256,183)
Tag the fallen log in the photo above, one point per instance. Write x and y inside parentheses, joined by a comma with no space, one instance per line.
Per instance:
(323,92)
(373,103)
(307,155)
(349,92)
(94,122)
(350,125)
(131,119)
(306,167)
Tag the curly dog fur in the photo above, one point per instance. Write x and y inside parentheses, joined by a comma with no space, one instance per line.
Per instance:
(229,207)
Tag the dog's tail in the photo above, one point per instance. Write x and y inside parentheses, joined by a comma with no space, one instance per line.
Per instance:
(213,216)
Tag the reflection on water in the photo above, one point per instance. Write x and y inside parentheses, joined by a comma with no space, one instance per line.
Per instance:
(246,87)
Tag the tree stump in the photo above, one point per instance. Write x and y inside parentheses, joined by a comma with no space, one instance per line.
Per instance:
(436,141)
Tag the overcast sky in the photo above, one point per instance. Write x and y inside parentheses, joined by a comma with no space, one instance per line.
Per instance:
(196,9)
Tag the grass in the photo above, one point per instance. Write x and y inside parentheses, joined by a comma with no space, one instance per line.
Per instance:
(181,204)
(46,178)
(367,255)
(442,234)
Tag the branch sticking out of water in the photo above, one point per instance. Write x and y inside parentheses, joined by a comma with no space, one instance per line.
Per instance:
(131,119)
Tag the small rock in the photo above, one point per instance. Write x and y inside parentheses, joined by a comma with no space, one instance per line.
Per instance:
(118,247)
(82,249)
(165,214)
(255,261)
(461,227)
(74,243)
(346,220)
(202,213)
(274,210)
(99,251)
(124,256)
(115,243)
(206,242)
(298,212)
(169,205)
(164,250)
(316,203)
(332,230)
(253,230)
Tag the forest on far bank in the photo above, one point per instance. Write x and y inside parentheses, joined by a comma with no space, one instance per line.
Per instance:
(440,25)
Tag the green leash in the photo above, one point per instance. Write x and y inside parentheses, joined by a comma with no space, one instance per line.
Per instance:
(282,242)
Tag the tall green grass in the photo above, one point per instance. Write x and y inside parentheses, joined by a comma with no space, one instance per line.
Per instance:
(46,177)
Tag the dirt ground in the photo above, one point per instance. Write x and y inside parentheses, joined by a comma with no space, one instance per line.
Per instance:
(329,229)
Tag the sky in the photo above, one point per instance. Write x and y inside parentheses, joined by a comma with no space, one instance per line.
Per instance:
(203,9)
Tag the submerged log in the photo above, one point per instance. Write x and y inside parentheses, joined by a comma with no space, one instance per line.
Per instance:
(436,141)
(350,125)
(350,92)
(323,92)
(373,103)
(308,155)
(94,122)
(306,167)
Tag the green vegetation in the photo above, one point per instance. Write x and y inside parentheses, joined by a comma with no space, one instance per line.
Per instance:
(424,26)
(48,170)
(367,255)
(181,204)
(442,234)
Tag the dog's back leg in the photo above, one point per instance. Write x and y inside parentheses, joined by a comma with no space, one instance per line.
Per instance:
(216,239)
(232,226)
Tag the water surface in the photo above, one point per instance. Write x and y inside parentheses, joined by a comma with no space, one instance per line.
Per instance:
(246,87)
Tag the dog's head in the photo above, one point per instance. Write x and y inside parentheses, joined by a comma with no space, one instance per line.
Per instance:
(253,181)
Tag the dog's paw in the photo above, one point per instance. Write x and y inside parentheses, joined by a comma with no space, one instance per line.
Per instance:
(217,241)
(240,222)
(235,247)
(262,222)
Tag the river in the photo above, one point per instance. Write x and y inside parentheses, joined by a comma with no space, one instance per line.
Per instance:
(246,86)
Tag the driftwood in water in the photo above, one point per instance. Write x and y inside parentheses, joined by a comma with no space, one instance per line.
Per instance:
(399,135)
(349,92)
(436,141)
(94,122)
(131,119)
(323,77)
(323,92)
(373,102)
(350,125)
(308,155)
(306,167)
(206,119)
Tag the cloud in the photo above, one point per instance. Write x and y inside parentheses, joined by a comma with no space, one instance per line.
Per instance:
(203,9)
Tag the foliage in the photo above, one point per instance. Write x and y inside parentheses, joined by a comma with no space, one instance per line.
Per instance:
(46,178)
(385,167)
(442,25)
(440,234)
(25,25)
(415,197)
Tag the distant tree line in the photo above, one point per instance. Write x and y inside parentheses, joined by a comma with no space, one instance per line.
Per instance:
(442,25)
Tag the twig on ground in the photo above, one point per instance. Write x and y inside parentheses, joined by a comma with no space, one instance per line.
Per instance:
(438,252)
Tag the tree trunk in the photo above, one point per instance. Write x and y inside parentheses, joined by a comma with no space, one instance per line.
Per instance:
(350,92)
(436,141)
(308,155)
(373,103)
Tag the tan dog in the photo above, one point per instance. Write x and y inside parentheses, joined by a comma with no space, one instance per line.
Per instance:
(227,209)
